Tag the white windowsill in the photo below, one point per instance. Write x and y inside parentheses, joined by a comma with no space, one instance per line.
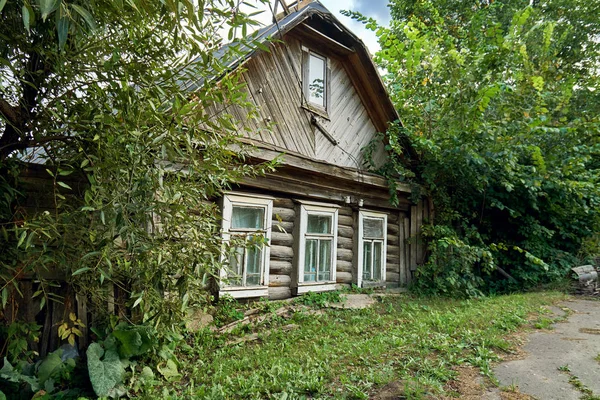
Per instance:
(316,287)
(245,292)
(373,284)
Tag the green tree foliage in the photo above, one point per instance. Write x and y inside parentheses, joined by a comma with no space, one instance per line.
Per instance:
(97,91)
(502,101)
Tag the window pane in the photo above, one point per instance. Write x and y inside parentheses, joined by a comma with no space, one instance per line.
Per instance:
(253,264)
(247,217)
(310,260)
(367,247)
(319,224)
(234,274)
(373,228)
(316,80)
(377,260)
(324,260)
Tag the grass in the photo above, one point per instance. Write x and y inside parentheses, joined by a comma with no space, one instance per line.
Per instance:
(354,353)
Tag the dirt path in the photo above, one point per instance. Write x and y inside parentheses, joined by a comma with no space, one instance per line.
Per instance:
(563,362)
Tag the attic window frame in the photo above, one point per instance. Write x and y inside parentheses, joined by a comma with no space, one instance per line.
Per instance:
(306,103)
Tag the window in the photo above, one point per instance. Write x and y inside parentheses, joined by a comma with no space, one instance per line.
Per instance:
(317,247)
(316,80)
(247,228)
(372,243)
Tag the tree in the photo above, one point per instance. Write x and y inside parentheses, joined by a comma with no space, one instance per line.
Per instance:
(502,101)
(97,91)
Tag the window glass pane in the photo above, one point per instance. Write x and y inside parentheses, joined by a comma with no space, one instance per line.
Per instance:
(247,217)
(373,227)
(367,246)
(310,260)
(253,264)
(319,224)
(316,80)
(377,260)
(324,260)
(234,274)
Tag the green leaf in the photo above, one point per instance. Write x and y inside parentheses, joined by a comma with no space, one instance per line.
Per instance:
(26,17)
(2,395)
(85,14)
(51,366)
(169,370)
(22,238)
(64,185)
(146,376)
(62,29)
(134,341)
(80,271)
(4,297)
(2,4)
(47,7)
(105,369)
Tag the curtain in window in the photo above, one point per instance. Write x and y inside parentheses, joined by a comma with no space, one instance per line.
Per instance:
(247,218)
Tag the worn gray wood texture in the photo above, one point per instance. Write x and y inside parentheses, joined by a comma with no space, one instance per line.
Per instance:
(273,82)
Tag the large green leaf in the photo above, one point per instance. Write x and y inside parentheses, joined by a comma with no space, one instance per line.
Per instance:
(62,29)
(51,365)
(105,369)
(26,17)
(133,340)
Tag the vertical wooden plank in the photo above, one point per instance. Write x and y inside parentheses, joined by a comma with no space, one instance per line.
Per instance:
(413,238)
(405,228)
(418,239)
(356,278)
(45,339)
(401,251)
(82,315)
(58,316)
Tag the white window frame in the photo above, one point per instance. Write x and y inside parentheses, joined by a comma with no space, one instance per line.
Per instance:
(362,214)
(249,200)
(312,208)
(319,109)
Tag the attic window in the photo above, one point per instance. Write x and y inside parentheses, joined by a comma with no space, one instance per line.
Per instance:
(316,80)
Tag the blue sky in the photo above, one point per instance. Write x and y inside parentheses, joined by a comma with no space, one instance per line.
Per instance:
(371,8)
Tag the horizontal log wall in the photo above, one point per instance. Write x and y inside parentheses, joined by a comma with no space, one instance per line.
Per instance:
(392,267)
(345,246)
(282,251)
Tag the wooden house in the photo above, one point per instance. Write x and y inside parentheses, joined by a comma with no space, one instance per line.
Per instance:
(327,219)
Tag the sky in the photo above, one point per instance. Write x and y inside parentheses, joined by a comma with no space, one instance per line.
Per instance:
(371,8)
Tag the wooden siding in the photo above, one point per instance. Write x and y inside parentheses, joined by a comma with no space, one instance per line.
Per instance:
(274,85)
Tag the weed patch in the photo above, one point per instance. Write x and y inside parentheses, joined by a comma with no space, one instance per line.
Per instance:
(354,354)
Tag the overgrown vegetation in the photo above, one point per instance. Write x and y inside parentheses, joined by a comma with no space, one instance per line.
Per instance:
(115,96)
(354,353)
(113,99)
(502,101)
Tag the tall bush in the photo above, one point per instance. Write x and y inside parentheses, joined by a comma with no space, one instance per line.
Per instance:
(101,93)
(501,99)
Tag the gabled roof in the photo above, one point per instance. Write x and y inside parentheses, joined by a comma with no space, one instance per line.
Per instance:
(315,22)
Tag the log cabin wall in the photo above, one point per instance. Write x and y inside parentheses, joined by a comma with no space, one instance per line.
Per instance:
(400,246)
